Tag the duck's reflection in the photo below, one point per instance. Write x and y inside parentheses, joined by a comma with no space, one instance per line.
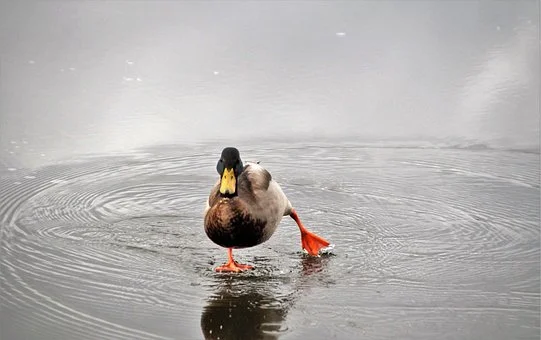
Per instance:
(235,314)
(255,307)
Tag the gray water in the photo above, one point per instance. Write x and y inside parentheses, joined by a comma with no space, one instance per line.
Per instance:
(429,243)
(406,133)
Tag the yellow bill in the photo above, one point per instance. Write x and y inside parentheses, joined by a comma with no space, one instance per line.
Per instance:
(229,182)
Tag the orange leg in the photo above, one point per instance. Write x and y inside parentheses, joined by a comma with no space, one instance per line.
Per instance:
(232,265)
(310,241)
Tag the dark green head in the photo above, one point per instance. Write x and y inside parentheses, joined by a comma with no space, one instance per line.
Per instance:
(229,167)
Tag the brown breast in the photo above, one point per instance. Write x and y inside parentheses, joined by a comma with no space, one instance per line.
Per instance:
(228,225)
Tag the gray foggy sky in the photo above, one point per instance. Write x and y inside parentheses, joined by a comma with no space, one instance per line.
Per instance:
(98,76)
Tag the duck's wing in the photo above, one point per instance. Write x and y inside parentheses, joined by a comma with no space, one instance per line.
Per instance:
(263,196)
(254,178)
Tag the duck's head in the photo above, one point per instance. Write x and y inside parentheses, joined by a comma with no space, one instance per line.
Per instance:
(229,167)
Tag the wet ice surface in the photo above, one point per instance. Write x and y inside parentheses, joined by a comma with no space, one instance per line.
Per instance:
(429,243)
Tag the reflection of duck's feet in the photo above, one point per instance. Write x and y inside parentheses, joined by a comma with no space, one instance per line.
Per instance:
(232,265)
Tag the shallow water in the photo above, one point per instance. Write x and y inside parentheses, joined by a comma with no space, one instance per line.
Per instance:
(429,243)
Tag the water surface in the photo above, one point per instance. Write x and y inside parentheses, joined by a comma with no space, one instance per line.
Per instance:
(429,243)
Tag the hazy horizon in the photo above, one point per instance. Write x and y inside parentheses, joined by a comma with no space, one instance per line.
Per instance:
(79,77)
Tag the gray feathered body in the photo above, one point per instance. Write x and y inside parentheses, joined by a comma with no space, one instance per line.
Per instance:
(249,218)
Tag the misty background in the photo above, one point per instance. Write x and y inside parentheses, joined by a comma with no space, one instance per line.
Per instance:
(97,77)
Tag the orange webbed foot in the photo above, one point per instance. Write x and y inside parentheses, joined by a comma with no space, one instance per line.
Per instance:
(232,265)
(311,242)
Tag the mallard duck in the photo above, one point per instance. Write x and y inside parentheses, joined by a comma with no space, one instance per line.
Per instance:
(244,208)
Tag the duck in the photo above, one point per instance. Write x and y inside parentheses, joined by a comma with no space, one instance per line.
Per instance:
(245,207)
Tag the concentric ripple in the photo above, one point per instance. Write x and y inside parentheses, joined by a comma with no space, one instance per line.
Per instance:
(427,242)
